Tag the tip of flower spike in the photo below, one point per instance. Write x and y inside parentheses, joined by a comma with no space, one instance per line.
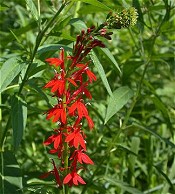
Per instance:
(124,19)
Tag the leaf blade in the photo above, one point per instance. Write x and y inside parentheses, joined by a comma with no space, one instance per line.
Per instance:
(9,70)
(119,98)
(19,118)
(101,72)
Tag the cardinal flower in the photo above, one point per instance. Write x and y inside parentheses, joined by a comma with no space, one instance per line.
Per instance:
(57,61)
(73,178)
(81,157)
(75,139)
(58,113)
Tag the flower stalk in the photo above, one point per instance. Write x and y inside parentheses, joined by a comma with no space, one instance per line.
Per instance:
(70,87)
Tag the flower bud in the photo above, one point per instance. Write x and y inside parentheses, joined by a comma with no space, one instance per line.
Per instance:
(126,18)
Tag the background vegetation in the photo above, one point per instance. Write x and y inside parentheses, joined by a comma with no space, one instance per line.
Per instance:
(133,142)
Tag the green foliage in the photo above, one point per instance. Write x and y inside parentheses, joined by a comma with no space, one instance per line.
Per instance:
(133,107)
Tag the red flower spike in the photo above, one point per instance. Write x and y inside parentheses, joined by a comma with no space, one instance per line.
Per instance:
(70,86)
(73,178)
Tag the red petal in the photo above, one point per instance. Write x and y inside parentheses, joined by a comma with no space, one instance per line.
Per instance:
(63,116)
(57,141)
(81,141)
(57,115)
(67,179)
(80,180)
(54,61)
(86,159)
(72,81)
(50,84)
(49,140)
(56,86)
(90,122)
(70,137)
(72,107)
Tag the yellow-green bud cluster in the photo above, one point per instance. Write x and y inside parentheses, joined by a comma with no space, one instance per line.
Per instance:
(124,19)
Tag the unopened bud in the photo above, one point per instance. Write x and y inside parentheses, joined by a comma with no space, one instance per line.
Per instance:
(126,18)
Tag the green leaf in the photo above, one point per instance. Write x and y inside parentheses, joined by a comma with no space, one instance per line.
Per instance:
(101,72)
(165,176)
(160,106)
(33,9)
(78,24)
(128,68)
(134,148)
(108,54)
(19,118)
(10,69)
(123,185)
(97,4)
(44,50)
(118,99)
(155,134)
(10,175)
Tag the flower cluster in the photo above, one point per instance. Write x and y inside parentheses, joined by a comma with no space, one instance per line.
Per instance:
(126,18)
(69,86)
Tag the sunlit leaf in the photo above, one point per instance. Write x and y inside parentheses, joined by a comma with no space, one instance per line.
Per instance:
(118,99)
(10,69)
(101,72)
(32,8)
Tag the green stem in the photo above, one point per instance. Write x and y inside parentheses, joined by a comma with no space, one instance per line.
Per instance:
(1,148)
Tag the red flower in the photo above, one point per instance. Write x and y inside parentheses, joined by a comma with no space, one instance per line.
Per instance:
(57,84)
(56,139)
(91,75)
(57,113)
(81,157)
(73,178)
(81,109)
(82,90)
(75,138)
(57,61)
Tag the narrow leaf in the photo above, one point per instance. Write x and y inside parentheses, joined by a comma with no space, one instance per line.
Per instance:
(111,57)
(10,69)
(165,176)
(10,175)
(97,4)
(156,135)
(33,9)
(19,117)
(160,106)
(123,185)
(101,72)
(118,99)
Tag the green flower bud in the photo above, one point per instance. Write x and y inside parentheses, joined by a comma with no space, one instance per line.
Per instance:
(124,19)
